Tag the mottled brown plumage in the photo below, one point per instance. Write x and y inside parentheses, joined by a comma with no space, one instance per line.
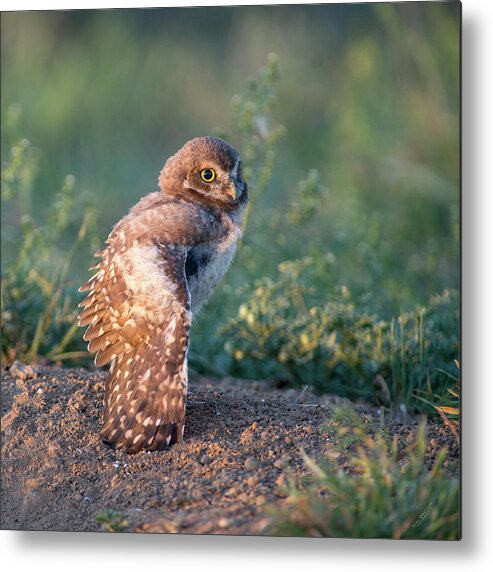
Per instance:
(159,265)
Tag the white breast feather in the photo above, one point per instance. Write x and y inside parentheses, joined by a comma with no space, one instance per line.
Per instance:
(208,276)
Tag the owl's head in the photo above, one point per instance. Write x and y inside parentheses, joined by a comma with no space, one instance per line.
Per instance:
(206,170)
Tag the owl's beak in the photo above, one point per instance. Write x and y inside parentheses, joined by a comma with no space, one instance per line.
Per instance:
(231,191)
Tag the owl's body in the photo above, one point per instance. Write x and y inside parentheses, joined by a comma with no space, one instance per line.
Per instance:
(207,263)
(161,262)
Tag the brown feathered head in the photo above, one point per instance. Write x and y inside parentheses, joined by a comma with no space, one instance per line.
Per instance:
(206,170)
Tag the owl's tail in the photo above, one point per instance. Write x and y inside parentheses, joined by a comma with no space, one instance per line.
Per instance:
(146,390)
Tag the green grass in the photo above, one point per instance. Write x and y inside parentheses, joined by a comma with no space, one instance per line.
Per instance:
(446,404)
(382,492)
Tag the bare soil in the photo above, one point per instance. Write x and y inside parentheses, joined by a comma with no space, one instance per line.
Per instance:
(241,441)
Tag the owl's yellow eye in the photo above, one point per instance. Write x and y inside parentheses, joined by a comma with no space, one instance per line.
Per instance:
(207,175)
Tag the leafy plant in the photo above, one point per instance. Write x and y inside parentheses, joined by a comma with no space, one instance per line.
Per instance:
(259,134)
(307,202)
(287,327)
(382,492)
(38,298)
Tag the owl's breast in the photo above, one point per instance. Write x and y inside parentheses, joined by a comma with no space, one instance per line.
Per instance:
(206,264)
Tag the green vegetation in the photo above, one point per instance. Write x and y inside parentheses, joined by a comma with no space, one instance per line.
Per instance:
(390,493)
(112,521)
(348,271)
(447,405)
(38,297)
(287,329)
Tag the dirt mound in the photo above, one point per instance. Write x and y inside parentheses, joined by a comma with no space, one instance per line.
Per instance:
(241,440)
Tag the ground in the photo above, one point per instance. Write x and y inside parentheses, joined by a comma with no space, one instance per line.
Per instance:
(242,440)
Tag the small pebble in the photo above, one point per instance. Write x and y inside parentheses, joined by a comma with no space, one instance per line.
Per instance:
(251,463)
(252,481)
(22,371)
(280,490)
(260,500)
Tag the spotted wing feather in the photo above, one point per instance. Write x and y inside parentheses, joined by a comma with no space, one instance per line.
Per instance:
(146,390)
(145,342)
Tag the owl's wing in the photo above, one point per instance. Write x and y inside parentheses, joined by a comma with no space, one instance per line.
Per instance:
(138,317)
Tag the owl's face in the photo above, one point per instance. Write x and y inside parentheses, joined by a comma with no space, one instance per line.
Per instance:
(206,170)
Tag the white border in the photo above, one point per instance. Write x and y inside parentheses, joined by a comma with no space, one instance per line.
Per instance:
(71,5)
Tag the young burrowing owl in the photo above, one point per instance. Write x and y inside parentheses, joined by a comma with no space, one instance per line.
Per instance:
(159,265)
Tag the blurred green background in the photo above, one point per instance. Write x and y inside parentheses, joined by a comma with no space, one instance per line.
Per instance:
(366,177)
